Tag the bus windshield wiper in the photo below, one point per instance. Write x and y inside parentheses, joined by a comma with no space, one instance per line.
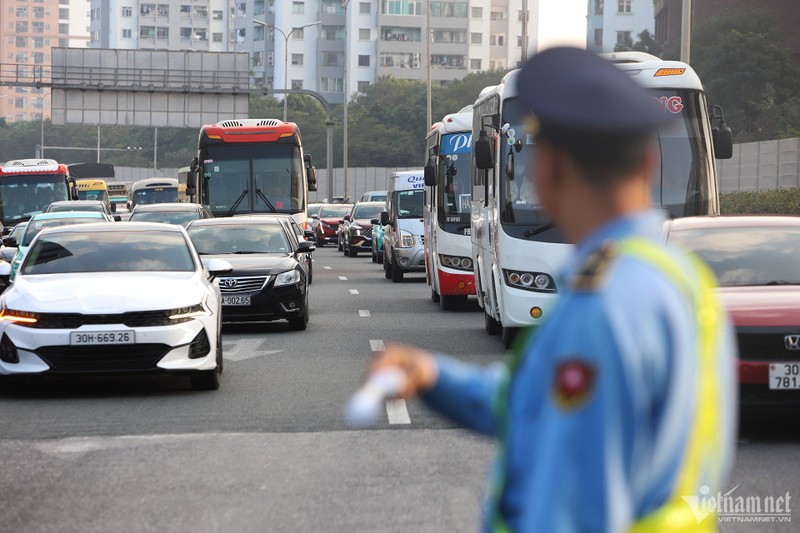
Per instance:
(530,232)
(237,202)
(266,200)
(781,282)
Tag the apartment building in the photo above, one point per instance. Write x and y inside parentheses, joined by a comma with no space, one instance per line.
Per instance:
(28,30)
(613,22)
(201,25)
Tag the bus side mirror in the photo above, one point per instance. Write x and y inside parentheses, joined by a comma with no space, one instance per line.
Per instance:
(113,208)
(73,189)
(430,174)
(723,141)
(483,152)
(311,172)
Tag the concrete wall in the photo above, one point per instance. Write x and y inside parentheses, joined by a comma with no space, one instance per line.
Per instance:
(359,180)
(761,165)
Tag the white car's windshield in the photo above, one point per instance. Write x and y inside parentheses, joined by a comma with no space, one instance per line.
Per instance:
(109,251)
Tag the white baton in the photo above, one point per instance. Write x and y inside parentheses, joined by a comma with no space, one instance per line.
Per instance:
(364,407)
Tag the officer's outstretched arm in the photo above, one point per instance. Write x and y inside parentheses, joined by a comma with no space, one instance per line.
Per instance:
(462,392)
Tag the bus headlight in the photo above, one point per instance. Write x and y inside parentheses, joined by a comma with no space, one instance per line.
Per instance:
(529,281)
(456,262)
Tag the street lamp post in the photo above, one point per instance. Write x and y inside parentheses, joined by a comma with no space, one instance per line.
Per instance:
(286,37)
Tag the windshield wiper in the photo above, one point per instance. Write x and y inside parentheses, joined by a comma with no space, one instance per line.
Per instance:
(781,282)
(237,202)
(248,252)
(530,232)
(266,200)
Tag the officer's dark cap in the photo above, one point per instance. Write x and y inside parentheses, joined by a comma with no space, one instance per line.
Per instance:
(576,94)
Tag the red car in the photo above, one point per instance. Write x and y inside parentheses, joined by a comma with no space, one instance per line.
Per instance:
(757,262)
(329,217)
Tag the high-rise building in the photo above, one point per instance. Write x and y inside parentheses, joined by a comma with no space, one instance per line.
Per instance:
(29,29)
(617,22)
(161,25)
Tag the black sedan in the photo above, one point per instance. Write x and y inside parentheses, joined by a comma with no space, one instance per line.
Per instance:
(269,280)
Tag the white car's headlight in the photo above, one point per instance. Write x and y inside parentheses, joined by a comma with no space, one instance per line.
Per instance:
(19,317)
(406,239)
(182,314)
(287,278)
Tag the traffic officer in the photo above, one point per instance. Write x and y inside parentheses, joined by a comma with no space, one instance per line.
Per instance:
(618,413)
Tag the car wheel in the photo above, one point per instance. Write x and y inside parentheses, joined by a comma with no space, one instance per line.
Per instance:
(387,269)
(380,257)
(320,243)
(339,244)
(374,256)
(491,325)
(508,336)
(397,274)
(208,379)
(449,303)
(434,296)
(300,323)
(351,252)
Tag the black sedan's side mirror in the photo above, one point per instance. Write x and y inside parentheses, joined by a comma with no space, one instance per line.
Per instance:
(306,247)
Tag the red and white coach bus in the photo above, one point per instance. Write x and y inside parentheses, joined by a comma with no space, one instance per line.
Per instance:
(28,186)
(252,166)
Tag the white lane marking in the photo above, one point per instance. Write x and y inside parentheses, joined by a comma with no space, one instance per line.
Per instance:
(377,345)
(397,412)
(327,268)
(353,291)
(363,313)
(342,278)
(247,349)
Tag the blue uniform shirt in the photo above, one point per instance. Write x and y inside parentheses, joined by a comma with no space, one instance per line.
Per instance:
(600,406)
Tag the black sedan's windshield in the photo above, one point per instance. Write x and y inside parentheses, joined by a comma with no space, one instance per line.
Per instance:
(109,251)
(244,239)
(746,255)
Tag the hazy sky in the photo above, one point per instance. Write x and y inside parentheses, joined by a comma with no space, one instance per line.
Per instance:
(560,22)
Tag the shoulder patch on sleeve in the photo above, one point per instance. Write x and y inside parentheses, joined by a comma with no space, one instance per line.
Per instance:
(573,383)
(593,272)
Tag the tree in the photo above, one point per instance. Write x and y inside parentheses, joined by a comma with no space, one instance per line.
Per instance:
(646,43)
(747,68)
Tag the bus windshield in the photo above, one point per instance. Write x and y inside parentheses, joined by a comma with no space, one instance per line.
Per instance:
(517,195)
(155,195)
(454,178)
(267,178)
(682,181)
(96,194)
(23,196)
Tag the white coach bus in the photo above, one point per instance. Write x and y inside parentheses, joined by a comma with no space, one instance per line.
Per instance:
(516,249)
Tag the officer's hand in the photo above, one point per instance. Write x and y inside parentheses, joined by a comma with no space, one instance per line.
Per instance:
(418,366)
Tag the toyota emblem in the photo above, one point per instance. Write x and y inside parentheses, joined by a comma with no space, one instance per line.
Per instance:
(229,282)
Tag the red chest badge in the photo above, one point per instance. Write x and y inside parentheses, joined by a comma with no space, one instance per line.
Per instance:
(574,382)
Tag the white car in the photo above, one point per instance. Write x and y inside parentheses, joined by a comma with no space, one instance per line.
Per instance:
(113,298)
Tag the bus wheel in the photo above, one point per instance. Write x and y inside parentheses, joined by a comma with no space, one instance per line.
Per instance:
(491,325)
(508,336)
(448,303)
(434,296)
